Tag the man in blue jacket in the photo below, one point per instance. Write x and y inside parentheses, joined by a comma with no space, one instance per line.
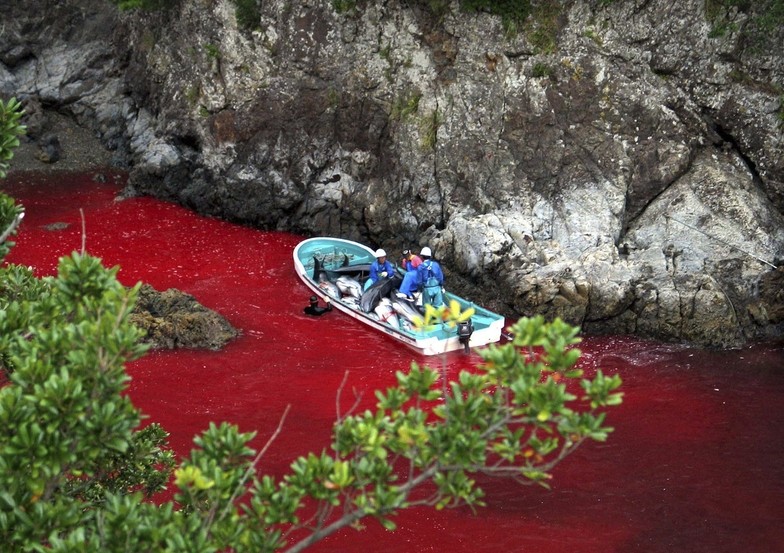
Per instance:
(431,278)
(379,269)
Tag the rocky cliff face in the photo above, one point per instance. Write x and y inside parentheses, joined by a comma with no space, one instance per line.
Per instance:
(617,164)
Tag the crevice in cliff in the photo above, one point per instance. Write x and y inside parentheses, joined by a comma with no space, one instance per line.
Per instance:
(728,141)
(628,222)
(188,141)
(441,224)
(633,213)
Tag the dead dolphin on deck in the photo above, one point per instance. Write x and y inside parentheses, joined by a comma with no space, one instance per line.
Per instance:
(406,309)
(329,287)
(386,314)
(349,286)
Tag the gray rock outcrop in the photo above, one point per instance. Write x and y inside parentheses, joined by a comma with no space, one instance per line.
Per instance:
(173,319)
(616,164)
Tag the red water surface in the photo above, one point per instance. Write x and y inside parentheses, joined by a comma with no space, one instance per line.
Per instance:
(694,465)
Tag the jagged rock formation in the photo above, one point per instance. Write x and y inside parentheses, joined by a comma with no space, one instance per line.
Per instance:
(627,176)
(173,319)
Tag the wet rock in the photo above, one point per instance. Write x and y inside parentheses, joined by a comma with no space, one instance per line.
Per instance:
(174,319)
(59,225)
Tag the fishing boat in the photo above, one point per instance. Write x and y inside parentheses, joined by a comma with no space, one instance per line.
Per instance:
(337,269)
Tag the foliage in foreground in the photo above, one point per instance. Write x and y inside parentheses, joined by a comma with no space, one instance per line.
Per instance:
(77,471)
(10,130)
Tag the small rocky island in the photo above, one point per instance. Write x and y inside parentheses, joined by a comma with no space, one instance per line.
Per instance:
(174,319)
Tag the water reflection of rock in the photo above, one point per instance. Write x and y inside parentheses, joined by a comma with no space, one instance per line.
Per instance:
(174,319)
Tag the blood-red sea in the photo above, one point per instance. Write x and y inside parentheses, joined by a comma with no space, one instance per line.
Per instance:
(695,464)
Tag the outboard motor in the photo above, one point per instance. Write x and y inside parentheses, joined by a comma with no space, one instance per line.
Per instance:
(464,332)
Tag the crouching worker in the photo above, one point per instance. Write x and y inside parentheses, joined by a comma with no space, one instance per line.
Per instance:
(315,309)
(431,278)
(410,260)
(410,282)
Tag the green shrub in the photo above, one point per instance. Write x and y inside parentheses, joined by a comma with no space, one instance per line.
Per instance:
(513,13)
(344,6)
(406,105)
(543,29)
(541,70)
(149,5)
(213,52)
(429,129)
(247,13)
(765,18)
(10,130)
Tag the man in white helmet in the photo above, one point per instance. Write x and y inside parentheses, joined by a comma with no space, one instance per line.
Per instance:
(379,269)
(431,278)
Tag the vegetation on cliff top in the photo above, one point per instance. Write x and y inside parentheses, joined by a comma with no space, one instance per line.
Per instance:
(538,19)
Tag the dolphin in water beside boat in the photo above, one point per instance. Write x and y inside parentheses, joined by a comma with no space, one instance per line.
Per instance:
(349,286)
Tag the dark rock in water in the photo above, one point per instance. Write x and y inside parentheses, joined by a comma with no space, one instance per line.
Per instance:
(174,319)
(56,226)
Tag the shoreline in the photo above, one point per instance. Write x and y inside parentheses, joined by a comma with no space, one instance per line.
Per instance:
(80,150)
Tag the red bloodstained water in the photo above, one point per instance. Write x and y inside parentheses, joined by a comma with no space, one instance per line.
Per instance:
(694,464)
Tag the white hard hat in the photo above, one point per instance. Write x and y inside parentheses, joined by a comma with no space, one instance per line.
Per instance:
(426,251)
(381,253)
